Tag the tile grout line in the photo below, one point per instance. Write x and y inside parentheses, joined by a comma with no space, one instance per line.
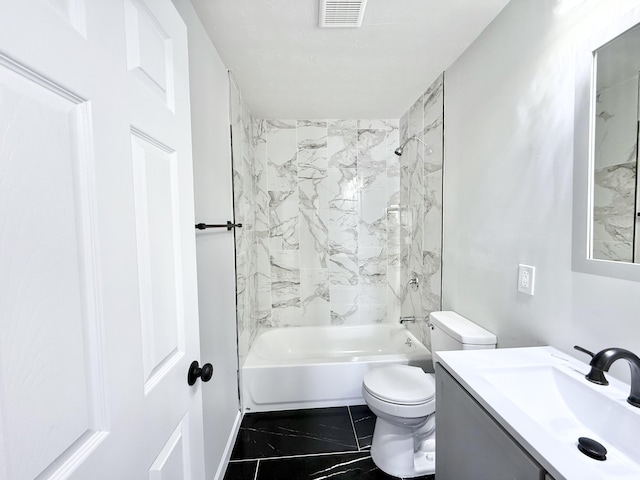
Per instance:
(255,477)
(302,455)
(353,427)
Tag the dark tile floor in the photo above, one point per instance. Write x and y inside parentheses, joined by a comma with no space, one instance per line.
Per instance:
(321,443)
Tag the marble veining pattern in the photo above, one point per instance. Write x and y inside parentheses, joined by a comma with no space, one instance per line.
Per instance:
(343,231)
(342,143)
(264,435)
(282,156)
(315,295)
(285,287)
(314,239)
(283,220)
(336,221)
(326,186)
(615,183)
(420,209)
(343,269)
(244,151)
(263,234)
(614,212)
(316,444)
(373,266)
(344,313)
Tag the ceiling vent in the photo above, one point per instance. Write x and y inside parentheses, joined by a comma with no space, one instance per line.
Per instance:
(342,13)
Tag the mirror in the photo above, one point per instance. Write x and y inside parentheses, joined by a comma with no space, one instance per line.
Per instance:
(606,225)
(614,226)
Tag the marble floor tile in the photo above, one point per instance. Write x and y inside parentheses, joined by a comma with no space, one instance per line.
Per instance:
(295,432)
(241,470)
(364,421)
(314,444)
(348,466)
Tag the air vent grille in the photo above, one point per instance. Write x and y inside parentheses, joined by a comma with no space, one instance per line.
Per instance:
(342,13)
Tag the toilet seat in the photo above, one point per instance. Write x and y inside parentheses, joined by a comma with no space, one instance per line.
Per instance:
(400,385)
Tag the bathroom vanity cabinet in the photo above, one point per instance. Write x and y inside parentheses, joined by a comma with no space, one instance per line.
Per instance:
(470,443)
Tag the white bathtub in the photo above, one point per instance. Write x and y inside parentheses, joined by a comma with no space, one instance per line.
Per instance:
(311,367)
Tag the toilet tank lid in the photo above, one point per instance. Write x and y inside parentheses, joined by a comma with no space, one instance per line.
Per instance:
(462,329)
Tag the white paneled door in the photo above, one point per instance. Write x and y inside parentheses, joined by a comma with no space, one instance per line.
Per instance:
(98,302)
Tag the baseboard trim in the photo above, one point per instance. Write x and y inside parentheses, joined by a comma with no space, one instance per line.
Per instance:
(228,449)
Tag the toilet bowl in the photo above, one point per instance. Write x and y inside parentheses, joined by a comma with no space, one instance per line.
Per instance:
(403,399)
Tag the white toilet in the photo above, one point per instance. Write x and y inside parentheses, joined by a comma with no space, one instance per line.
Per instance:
(403,399)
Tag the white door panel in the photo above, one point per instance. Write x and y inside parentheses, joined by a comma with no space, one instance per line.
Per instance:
(173,461)
(155,186)
(98,307)
(49,363)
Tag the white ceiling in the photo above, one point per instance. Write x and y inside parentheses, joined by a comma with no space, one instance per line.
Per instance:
(288,67)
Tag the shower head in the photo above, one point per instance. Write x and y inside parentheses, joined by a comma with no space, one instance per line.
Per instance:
(398,151)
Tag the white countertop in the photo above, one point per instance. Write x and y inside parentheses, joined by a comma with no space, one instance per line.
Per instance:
(556,452)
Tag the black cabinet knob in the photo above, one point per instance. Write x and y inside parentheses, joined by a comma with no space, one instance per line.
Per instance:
(205,373)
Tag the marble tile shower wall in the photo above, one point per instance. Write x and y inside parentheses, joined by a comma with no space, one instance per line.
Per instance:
(334,223)
(421,201)
(327,222)
(246,197)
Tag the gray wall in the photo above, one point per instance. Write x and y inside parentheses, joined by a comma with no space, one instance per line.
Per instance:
(214,249)
(509,108)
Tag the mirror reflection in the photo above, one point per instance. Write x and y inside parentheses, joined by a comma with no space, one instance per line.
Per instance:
(615,225)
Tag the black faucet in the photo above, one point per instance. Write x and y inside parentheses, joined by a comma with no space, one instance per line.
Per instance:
(601,361)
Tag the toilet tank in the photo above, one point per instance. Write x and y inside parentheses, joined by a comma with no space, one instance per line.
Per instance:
(452,331)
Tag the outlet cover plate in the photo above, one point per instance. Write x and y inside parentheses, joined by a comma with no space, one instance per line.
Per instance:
(526,279)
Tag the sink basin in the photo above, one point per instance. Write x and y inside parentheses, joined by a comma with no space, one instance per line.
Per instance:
(570,407)
(540,397)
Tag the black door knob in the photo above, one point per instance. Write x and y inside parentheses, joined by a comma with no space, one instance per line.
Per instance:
(205,373)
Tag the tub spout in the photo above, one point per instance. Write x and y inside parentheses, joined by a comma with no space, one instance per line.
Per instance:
(404,320)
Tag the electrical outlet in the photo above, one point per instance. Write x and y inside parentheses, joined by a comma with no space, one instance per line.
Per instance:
(526,279)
